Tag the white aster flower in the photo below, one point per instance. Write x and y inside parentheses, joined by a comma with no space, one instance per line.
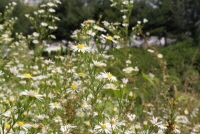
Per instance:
(150,50)
(65,130)
(160,56)
(14,70)
(176,131)
(98,63)
(80,113)
(50,95)
(110,86)
(115,123)
(57,1)
(139,22)
(160,132)
(155,122)
(52,10)
(128,62)
(124,80)
(55,105)
(91,33)
(32,93)
(136,69)
(40,117)
(125,2)
(125,24)
(44,24)
(182,119)
(35,34)
(107,75)
(35,41)
(7,113)
(57,119)
(1,72)
(128,69)
(162,126)
(14,3)
(52,36)
(85,105)
(151,75)
(124,10)
(41,11)
(69,126)
(114,4)
(116,36)
(74,88)
(80,48)
(50,4)
(103,128)
(99,28)
(145,20)
(51,27)
(1,27)
(131,117)
(23,125)
(124,16)
(90,21)
(25,76)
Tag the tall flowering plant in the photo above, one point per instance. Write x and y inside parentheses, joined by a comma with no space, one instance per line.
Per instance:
(79,93)
(44,22)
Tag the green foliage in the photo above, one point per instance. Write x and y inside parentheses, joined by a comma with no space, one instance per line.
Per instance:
(22,25)
(72,13)
(180,54)
(138,56)
(182,62)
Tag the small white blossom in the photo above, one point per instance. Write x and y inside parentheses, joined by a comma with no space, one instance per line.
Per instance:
(32,93)
(81,48)
(145,20)
(103,128)
(44,24)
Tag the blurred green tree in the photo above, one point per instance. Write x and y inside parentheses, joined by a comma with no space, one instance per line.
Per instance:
(72,13)
(192,18)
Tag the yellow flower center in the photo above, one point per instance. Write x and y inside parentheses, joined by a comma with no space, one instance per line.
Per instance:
(97,64)
(117,36)
(73,96)
(80,113)
(110,75)
(82,106)
(103,126)
(57,118)
(55,104)
(81,74)
(27,75)
(36,117)
(174,127)
(20,123)
(73,87)
(80,46)
(7,126)
(112,122)
(110,37)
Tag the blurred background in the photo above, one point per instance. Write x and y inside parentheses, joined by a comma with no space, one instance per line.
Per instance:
(168,20)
